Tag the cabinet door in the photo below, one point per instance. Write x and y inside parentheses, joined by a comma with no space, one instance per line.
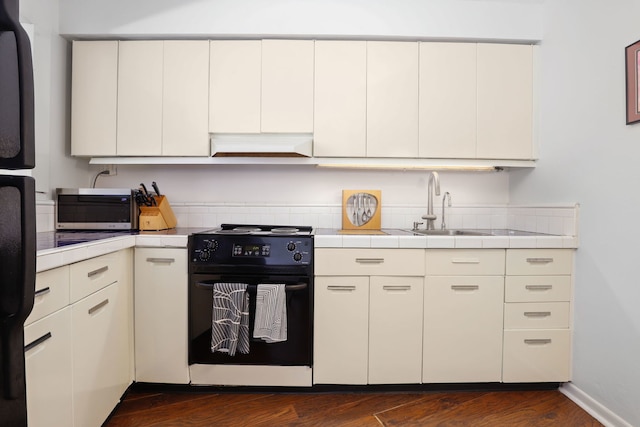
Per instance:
(395,330)
(463,329)
(94,89)
(447,100)
(340,99)
(392,99)
(505,101)
(235,75)
(341,321)
(140,98)
(48,367)
(287,86)
(160,288)
(100,348)
(185,109)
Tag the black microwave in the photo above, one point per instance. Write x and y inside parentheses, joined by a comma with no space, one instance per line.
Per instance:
(96,209)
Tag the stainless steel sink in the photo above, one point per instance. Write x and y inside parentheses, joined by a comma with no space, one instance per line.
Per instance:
(450,233)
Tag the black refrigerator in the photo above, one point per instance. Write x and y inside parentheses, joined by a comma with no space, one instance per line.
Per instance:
(17,210)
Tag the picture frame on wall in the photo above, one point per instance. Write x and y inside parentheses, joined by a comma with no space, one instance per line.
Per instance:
(632,67)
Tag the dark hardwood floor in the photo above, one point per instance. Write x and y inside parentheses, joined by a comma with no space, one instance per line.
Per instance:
(472,408)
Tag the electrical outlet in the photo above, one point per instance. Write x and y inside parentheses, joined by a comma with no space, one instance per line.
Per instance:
(112,170)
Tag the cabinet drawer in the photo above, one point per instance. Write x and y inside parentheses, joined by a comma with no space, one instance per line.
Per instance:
(48,370)
(52,293)
(369,262)
(537,315)
(537,288)
(463,262)
(522,262)
(537,356)
(87,277)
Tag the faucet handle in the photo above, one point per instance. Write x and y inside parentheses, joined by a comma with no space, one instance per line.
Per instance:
(430,217)
(416,224)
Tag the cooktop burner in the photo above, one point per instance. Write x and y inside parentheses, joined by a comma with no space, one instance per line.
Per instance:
(261,230)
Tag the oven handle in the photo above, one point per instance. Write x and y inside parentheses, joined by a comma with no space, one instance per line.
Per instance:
(296,287)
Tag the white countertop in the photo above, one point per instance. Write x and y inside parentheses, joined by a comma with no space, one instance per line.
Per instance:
(328,239)
(56,257)
(59,256)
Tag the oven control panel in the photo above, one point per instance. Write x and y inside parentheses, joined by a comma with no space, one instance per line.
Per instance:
(210,249)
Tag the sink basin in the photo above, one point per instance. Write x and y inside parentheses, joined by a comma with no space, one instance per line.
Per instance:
(450,233)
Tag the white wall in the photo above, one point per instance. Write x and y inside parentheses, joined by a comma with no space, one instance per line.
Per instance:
(587,153)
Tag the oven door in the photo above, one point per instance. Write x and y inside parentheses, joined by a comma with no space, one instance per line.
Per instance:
(297,350)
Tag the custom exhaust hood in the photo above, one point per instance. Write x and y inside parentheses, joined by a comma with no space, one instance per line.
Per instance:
(262,145)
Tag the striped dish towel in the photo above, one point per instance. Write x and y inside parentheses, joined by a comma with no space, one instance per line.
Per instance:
(271,313)
(230,323)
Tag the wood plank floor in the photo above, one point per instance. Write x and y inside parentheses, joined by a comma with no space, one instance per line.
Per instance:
(357,409)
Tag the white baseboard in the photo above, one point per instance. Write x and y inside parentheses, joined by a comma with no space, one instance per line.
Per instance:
(592,406)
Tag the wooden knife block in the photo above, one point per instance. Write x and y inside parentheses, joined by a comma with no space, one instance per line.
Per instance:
(159,217)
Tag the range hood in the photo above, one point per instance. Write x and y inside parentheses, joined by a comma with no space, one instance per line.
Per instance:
(262,145)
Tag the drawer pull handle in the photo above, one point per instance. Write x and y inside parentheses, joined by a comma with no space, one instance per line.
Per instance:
(42,291)
(98,306)
(370,260)
(98,271)
(161,260)
(538,341)
(539,260)
(465,260)
(537,313)
(396,287)
(341,288)
(37,342)
(538,287)
(465,287)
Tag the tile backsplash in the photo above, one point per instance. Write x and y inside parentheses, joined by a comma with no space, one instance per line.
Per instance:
(558,220)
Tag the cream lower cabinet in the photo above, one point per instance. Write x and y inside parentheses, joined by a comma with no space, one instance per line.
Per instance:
(79,341)
(395,314)
(341,325)
(367,316)
(101,335)
(161,305)
(537,324)
(48,362)
(463,319)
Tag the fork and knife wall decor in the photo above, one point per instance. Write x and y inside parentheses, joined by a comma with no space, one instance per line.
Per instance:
(361,209)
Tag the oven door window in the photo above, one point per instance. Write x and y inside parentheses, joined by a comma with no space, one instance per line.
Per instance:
(296,350)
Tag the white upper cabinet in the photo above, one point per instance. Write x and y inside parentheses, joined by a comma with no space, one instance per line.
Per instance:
(261,86)
(392,99)
(94,97)
(185,98)
(340,99)
(448,100)
(140,98)
(235,75)
(287,86)
(505,101)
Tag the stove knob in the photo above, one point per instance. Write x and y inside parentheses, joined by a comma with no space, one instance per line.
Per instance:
(205,254)
(297,256)
(212,244)
(291,247)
